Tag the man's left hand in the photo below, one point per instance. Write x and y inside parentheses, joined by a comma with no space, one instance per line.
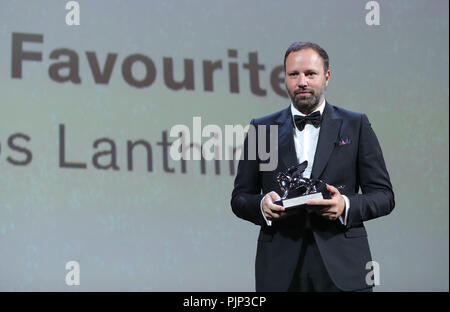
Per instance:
(331,208)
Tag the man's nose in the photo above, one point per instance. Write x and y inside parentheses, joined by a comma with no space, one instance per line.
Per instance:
(302,81)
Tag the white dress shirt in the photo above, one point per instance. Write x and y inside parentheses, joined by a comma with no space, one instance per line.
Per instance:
(305,147)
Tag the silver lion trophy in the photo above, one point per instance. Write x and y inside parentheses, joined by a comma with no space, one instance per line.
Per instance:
(297,190)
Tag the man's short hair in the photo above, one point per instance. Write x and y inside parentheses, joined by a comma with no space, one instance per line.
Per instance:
(300,45)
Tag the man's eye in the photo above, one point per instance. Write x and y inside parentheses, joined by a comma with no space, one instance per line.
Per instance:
(293,74)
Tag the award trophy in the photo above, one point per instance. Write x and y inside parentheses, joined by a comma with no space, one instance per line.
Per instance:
(297,190)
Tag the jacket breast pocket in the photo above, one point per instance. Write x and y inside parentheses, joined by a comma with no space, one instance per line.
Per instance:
(344,149)
(355,232)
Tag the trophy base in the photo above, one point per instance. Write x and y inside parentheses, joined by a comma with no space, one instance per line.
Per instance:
(302,200)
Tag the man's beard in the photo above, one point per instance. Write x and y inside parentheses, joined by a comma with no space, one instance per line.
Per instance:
(306,104)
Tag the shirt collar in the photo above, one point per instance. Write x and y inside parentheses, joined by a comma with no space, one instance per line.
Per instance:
(295,111)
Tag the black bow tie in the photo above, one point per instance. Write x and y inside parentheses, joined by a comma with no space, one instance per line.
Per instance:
(301,121)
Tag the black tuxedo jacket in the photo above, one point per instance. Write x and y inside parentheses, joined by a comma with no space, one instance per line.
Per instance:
(348,153)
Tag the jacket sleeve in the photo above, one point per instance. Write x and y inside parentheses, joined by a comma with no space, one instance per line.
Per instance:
(377,198)
(246,195)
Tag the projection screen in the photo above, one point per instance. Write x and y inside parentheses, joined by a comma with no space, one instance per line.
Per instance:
(86,111)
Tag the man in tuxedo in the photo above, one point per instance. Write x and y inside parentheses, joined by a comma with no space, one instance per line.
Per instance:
(324,246)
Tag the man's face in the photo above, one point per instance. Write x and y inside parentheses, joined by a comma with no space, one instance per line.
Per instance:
(305,79)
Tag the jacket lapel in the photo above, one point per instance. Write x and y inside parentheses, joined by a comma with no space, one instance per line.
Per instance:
(286,138)
(328,138)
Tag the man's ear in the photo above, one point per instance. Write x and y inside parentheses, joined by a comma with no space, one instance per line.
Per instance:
(327,76)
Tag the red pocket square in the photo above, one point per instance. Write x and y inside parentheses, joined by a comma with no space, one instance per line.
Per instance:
(344,141)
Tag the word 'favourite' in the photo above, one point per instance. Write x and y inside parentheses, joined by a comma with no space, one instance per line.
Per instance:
(66,68)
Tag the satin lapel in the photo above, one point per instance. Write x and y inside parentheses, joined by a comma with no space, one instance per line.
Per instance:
(328,138)
(286,139)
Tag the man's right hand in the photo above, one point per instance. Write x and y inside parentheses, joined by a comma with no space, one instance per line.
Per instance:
(272,211)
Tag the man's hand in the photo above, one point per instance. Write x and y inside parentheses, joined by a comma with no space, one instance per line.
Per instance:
(331,208)
(272,211)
